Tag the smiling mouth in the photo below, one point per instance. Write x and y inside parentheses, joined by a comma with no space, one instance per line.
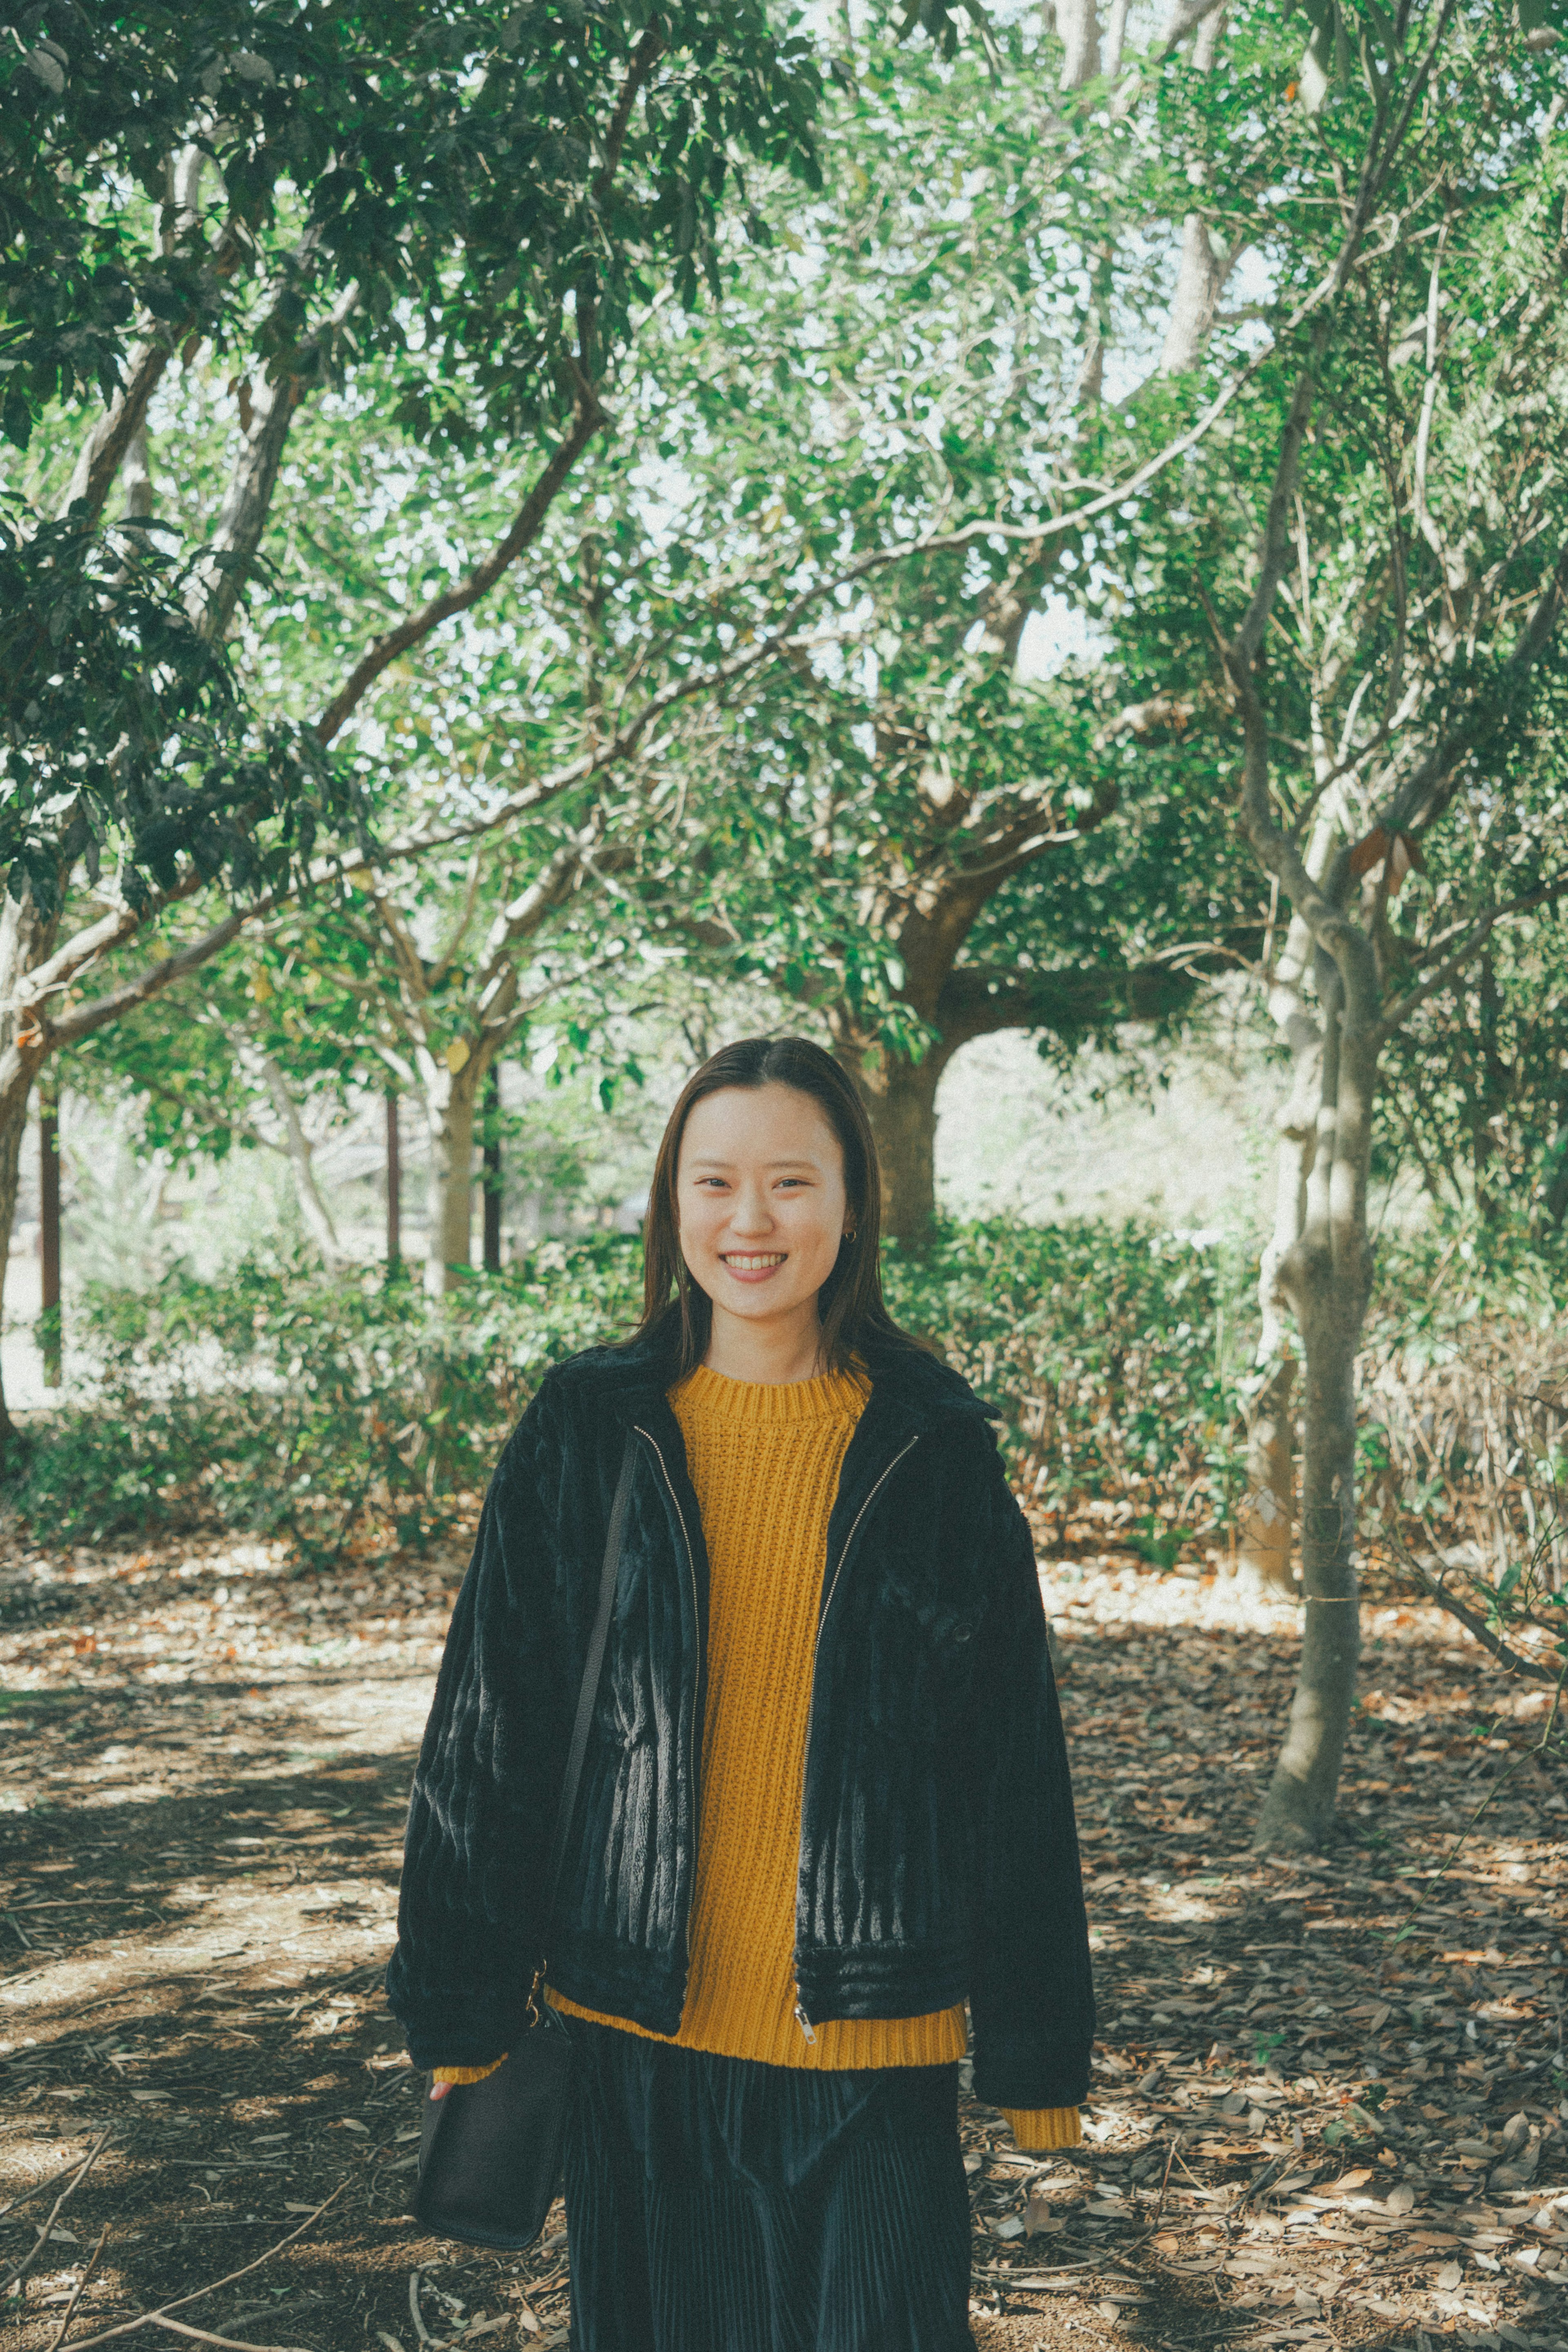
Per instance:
(753,1261)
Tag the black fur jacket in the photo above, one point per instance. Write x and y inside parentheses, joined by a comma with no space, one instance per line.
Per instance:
(938,1855)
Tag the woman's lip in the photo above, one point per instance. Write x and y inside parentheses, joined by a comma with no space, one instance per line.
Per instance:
(751,1273)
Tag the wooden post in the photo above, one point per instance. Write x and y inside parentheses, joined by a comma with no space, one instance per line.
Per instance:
(492,1176)
(394,1187)
(50,1226)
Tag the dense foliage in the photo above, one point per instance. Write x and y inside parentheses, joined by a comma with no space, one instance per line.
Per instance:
(352,1414)
(338,1411)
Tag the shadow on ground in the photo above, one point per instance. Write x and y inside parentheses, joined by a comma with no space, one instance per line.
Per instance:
(1327,2092)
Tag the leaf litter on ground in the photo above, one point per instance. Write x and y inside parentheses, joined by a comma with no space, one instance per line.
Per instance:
(1329,2103)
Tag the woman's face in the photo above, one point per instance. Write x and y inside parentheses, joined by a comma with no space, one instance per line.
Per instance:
(759,1191)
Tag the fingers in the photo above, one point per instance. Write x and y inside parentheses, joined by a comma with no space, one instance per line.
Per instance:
(439,2090)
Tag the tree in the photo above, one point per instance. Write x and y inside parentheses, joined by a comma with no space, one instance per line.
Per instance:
(1370,572)
(924,843)
(264,190)
(887,822)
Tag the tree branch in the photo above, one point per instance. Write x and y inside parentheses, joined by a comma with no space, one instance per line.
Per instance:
(975,1002)
(104,450)
(640,65)
(588,418)
(1513,1659)
(1476,938)
(81,1020)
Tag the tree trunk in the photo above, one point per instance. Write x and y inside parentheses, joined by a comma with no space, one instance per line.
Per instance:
(219,581)
(1327,1277)
(394,1185)
(49,1328)
(1198,286)
(1268,1516)
(1298,1811)
(314,1213)
(491,1183)
(450,1103)
(1554,1181)
(1201,279)
(1078,22)
(26,938)
(900,1097)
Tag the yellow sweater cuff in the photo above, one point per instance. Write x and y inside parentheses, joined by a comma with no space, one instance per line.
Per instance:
(468,2073)
(1043,2128)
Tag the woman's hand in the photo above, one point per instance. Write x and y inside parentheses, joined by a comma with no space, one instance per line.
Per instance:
(444,2077)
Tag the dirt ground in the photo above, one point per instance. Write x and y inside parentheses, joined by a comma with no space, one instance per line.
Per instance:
(1329,2102)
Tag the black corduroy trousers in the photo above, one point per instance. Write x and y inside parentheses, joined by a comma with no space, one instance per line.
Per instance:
(719,2205)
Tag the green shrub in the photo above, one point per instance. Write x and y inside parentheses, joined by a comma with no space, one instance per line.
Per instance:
(1104,1350)
(283,1401)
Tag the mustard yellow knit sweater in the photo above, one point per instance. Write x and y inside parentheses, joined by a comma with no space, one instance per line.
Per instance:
(765,1461)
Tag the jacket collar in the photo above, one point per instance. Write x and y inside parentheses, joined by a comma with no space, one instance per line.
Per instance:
(912,1390)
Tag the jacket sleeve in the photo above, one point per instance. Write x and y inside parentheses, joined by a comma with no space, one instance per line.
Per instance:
(482,1810)
(1031,1997)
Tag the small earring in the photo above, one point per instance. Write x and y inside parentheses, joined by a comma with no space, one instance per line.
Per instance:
(849,1232)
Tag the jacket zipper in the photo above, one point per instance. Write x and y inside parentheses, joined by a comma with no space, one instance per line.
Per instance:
(696,1620)
(801,2019)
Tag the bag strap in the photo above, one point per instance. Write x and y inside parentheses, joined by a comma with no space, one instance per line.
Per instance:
(591,1672)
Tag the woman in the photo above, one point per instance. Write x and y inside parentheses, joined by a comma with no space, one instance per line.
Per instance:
(826,1795)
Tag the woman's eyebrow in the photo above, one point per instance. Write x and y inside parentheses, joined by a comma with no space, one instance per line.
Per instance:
(767,1164)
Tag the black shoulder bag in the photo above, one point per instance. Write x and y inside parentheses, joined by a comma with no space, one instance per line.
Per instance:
(490,2152)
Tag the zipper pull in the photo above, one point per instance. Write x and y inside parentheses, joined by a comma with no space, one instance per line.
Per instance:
(804,2022)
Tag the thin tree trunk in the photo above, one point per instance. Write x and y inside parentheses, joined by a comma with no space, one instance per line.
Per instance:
(450,1107)
(13,1128)
(219,581)
(26,937)
(313,1210)
(1299,1810)
(49,1226)
(492,1176)
(1554,1188)
(394,1185)
(1200,280)
(1198,285)
(1327,1279)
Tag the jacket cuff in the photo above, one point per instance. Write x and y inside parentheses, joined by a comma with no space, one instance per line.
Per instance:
(1037,2128)
(1012,2071)
(468,2073)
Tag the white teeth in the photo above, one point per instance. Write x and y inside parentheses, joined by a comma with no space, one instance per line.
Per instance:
(755,1264)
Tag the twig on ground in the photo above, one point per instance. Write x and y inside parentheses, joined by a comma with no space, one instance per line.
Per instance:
(1116,2261)
(1263,2180)
(1164,2177)
(60,2335)
(232,2343)
(1040,2280)
(158,2317)
(420,2329)
(1171,2343)
(42,2239)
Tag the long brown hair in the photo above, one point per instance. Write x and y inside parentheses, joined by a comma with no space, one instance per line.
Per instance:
(676,1311)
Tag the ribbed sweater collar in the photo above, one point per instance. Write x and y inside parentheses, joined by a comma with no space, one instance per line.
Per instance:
(712,1396)
(910,1390)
